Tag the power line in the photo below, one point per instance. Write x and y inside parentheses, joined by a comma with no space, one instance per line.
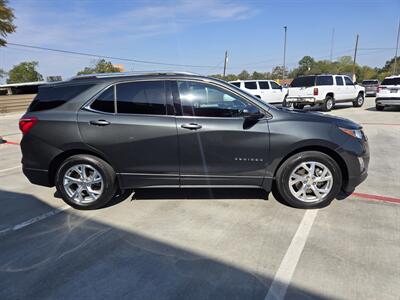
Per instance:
(111,57)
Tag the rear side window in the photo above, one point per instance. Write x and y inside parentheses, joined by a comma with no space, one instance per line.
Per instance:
(145,97)
(324,80)
(391,81)
(263,85)
(105,101)
(304,81)
(236,84)
(53,96)
(339,80)
(251,85)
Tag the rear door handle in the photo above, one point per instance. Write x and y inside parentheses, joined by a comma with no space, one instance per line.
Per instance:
(191,126)
(99,122)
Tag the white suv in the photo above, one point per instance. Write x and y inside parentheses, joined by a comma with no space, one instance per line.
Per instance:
(267,90)
(388,92)
(324,90)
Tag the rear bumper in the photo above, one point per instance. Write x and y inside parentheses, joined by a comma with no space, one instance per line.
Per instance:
(387,101)
(302,100)
(37,176)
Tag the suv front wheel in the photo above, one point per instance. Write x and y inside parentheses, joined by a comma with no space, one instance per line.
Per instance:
(359,101)
(308,179)
(86,182)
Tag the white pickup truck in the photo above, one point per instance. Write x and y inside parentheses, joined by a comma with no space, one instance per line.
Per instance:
(267,90)
(324,90)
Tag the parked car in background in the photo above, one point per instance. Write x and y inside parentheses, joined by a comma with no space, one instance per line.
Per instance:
(324,90)
(388,93)
(371,87)
(97,136)
(267,90)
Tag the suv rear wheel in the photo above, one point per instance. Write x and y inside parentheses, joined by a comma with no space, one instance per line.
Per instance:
(86,182)
(308,179)
(328,104)
(359,101)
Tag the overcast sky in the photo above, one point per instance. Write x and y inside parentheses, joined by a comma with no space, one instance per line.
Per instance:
(198,32)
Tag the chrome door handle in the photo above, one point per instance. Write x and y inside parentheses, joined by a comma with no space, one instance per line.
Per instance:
(99,122)
(191,126)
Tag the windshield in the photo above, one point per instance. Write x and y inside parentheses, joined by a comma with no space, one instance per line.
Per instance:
(303,81)
(391,81)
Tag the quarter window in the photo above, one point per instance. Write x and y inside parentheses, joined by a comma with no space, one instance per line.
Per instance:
(203,100)
(105,102)
(144,97)
(237,84)
(263,85)
(324,80)
(339,80)
(251,85)
(275,86)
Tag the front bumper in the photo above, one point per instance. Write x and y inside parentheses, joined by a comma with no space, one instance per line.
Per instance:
(387,101)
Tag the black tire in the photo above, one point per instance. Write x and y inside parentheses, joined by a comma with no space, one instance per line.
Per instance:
(107,173)
(379,107)
(281,187)
(298,106)
(359,101)
(328,104)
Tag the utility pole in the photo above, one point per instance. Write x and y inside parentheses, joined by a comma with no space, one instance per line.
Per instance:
(332,40)
(354,61)
(225,62)
(284,54)
(397,47)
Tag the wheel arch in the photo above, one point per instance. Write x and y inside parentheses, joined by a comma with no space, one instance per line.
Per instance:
(58,160)
(330,94)
(332,153)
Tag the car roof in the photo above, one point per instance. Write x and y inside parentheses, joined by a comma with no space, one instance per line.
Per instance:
(251,80)
(393,76)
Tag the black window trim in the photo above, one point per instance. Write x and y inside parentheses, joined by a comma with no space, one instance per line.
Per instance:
(175,98)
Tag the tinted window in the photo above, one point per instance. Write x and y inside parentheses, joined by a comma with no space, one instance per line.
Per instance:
(339,80)
(263,85)
(53,96)
(236,84)
(147,97)
(391,81)
(105,102)
(370,82)
(251,85)
(275,86)
(304,81)
(199,99)
(324,80)
(348,81)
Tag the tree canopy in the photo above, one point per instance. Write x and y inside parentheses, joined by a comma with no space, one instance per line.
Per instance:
(24,72)
(6,21)
(101,66)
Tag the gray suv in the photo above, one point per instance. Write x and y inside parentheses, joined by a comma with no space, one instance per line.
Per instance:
(97,136)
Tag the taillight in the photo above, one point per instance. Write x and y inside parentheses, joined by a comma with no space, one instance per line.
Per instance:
(315,91)
(25,124)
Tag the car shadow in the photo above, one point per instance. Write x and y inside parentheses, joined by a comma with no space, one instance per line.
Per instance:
(72,256)
(387,109)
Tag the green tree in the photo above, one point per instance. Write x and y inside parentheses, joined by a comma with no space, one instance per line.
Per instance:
(244,75)
(101,66)
(306,64)
(6,21)
(258,76)
(278,71)
(24,72)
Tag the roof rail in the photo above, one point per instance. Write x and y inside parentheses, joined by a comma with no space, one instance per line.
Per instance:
(134,73)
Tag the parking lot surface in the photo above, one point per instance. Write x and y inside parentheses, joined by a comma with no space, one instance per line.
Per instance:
(205,244)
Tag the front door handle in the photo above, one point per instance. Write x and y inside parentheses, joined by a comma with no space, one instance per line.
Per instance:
(99,122)
(191,126)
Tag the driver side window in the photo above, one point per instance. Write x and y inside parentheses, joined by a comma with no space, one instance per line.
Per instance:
(204,100)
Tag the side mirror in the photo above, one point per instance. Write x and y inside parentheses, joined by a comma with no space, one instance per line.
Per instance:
(252,113)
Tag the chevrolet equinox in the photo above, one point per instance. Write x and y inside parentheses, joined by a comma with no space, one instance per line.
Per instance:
(96,136)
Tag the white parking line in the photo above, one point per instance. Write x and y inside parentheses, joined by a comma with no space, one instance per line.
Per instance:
(9,169)
(283,276)
(35,219)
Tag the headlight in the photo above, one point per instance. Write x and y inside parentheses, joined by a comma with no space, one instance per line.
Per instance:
(357,133)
